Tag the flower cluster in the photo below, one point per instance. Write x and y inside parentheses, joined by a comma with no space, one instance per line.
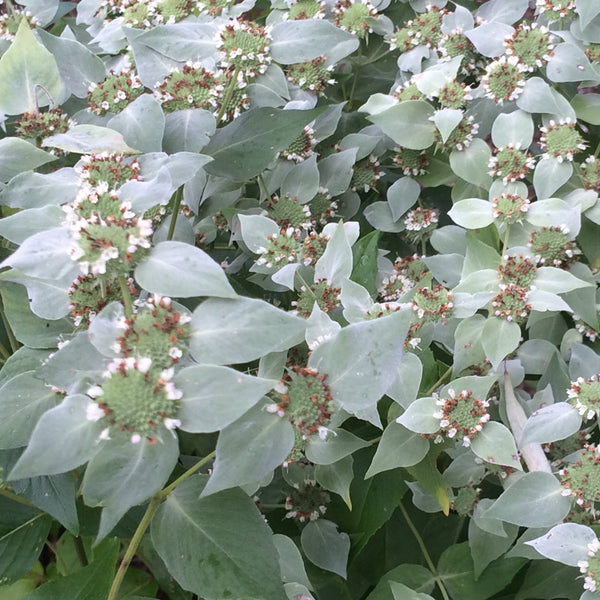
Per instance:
(322,292)
(433,304)
(9,22)
(115,93)
(366,174)
(551,245)
(461,414)
(302,147)
(244,47)
(133,400)
(561,140)
(420,223)
(503,80)
(531,44)
(39,125)
(581,480)
(511,302)
(354,16)
(510,163)
(312,75)
(306,502)
(584,395)
(306,9)
(510,208)
(305,399)
(591,567)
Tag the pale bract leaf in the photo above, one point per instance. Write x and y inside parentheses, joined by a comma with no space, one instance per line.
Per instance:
(335,265)
(290,561)
(446,120)
(566,543)
(241,330)
(80,440)
(550,424)
(325,547)
(569,63)
(549,175)
(513,128)
(496,444)
(338,444)
(499,338)
(89,139)
(418,417)
(534,500)
(255,229)
(182,270)
(471,164)
(402,195)
(17,155)
(472,213)
(215,396)
(337,477)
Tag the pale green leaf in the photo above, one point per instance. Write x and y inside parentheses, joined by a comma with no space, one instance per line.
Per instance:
(566,543)
(499,338)
(325,546)
(17,155)
(89,139)
(496,444)
(472,213)
(471,164)
(550,424)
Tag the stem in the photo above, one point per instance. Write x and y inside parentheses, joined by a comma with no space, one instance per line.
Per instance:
(425,553)
(145,522)
(5,353)
(14,345)
(36,88)
(12,496)
(228,94)
(423,246)
(176,206)
(126,296)
(264,185)
(439,381)
(60,563)
(80,551)
(505,243)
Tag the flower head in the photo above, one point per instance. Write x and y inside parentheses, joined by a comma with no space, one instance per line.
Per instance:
(561,140)
(584,395)
(306,502)
(531,44)
(433,304)
(503,80)
(323,293)
(461,415)
(510,163)
(115,93)
(510,208)
(581,480)
(312,75)
(353,16)
(551,245)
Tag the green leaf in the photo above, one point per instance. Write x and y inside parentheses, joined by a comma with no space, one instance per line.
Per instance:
(499,338)
(446,120)
(335,265)
(79,440)
(89,139)
(337,477)
(587,107)
(17,155)
(554,210)
(496,444)
(566,543)
(402,195)
(419,418)
(302,181)
(249,449)
(297,41)
(539,97)
(534,500)
(241,330)
(23,400)
(513,128)
(546,580)
(25,65)
(550,424)
(23,530)
(34,190)
(133,121)
(427,475)
(569,63)
(472,213)
(123,475)
(361,362)
(364,255)
(188,130)
(417,577)
(214,397)
(486,547)
(338,444)
(248,145)
(408,124)
(456,571)
(89,583)
(549,175)
(19,226)
(193,535)
(325,546)
(471,164)
(179,269)
(402,592)
(399,447)
(335,171)
(406,386)
(290,561)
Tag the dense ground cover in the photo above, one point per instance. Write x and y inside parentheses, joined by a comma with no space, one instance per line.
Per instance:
(299,299)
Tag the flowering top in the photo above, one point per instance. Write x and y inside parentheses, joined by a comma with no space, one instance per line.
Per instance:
(115,93)
(366,174)
(9,22)
(424,29)
(531,44)
(281,249)
(420,223)
(313,75)
(245,47)
(462,415)
(133,400)
(39,125)
(584,395)
(305,399)
(590,171)
(510,208)
(511,302)
(591,567)
(302,147)
(518,270)
(306,502)
(551,245)
(322,207)
(581,480)
(561,140)
(433,304)
(306,9)
(107,170)
(557,9)
(412,162)
(324,294)
(461,136)
(503,80)
(353,16)
(156,331)
(510,163)
(288,212)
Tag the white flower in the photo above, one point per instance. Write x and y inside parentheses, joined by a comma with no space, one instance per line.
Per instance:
(93,412)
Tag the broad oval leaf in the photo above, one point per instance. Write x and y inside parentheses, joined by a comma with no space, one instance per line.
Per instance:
(179,269)
(193,535)
(550,424)
(566,543)
(325,547)
(472,213)
(237,331)
(496,444)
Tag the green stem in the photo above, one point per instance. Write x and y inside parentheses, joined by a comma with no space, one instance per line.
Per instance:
(127,303)
(228,94)
(505,242)
(597,153)
(428,560)
(80,551)
(60,563)
(14,344)
(5,353)
(439,381)
(176,206)
(12,496)
(264,185)
(145,522)
(423,246)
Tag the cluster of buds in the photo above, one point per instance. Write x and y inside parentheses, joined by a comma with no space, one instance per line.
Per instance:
(10,21)
(420,223)
(288,212)
(557,9)
(424,30)
(591,567)
(244,47)
(408,271)
(560,140)
(461,414)
(354,16)
(323,293)
(511,302)
(581,480)
(306,9)
(312,75)
(518,270)
(461,136)
(510,163)
(366,174)
(551,245)
(531,44)
(510,208)
(322,207)
(412,162)
(584,395)
(39,125)
(306,502)
(302,147)
(133,400)
(503,80)
(433,304)
(115,93)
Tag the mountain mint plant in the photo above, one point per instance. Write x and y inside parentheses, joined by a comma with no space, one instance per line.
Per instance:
(299,299)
